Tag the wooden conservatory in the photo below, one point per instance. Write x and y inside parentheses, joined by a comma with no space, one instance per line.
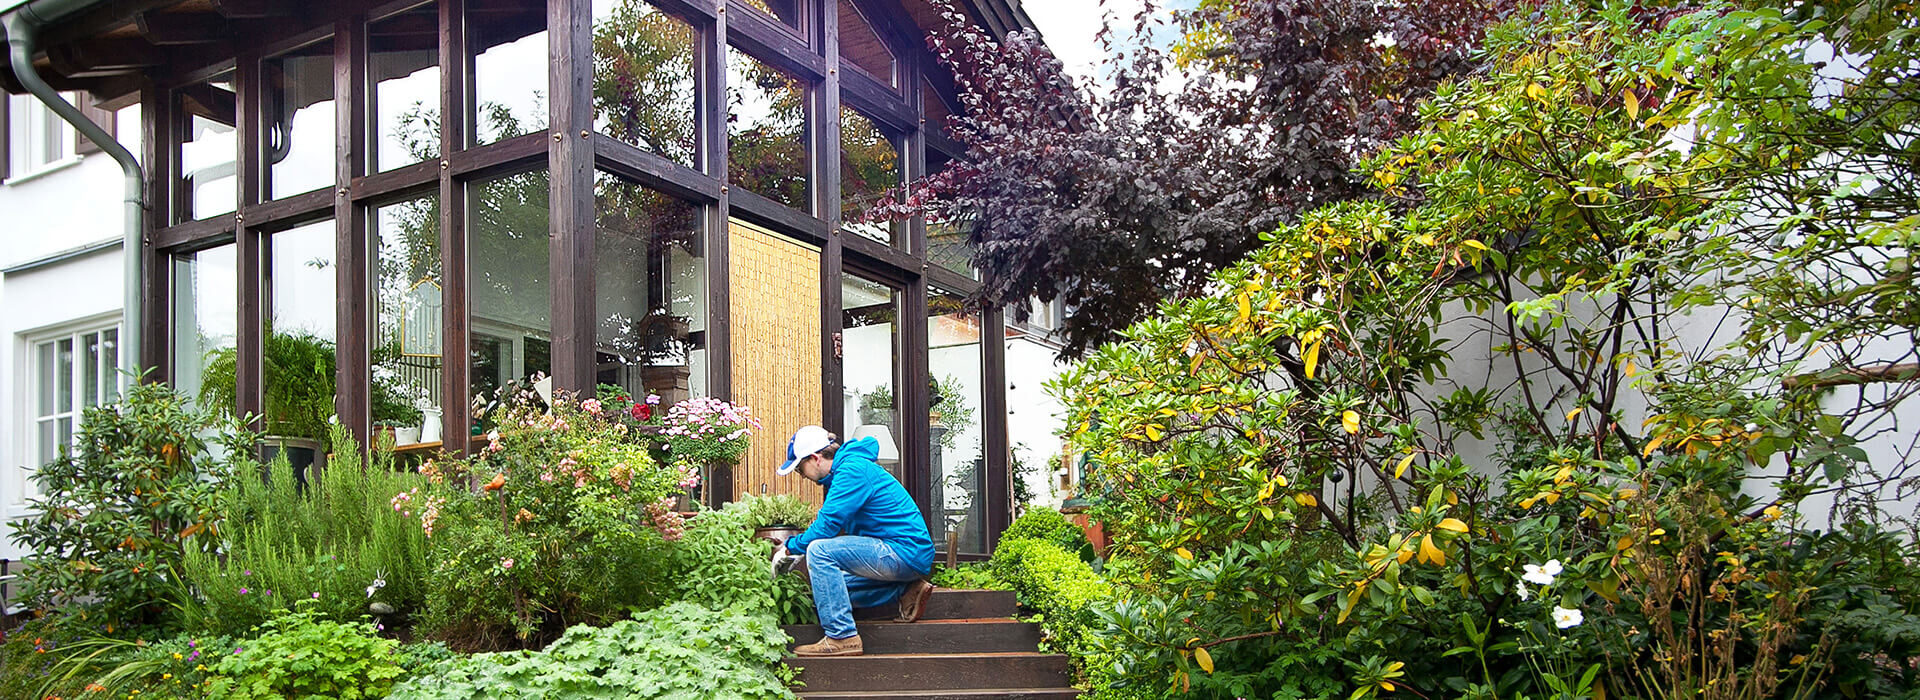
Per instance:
(435,199)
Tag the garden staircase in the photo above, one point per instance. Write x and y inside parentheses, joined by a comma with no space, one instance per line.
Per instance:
(966,646)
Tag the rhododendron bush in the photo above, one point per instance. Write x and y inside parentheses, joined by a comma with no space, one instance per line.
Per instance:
(561,518)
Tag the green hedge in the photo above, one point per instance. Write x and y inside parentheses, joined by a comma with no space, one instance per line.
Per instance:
(1049,525)
(1056,583)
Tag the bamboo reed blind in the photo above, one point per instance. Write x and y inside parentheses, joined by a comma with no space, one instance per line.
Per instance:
(775,306)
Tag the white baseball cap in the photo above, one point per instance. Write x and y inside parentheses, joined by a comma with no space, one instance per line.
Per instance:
(805,441)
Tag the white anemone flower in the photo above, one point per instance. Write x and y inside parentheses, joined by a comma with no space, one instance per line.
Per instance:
(1565,617)
(1542,574)
(1521,588)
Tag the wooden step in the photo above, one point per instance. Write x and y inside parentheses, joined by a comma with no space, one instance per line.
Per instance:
(936,636)
(951,604)
(974,694)
(932,672)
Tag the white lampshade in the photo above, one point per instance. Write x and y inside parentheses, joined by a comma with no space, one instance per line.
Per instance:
(889,452)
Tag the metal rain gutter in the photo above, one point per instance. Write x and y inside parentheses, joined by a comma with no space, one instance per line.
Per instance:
(21,26)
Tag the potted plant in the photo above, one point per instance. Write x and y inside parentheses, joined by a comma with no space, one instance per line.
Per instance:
(877,406)
(776,518)
(297,377)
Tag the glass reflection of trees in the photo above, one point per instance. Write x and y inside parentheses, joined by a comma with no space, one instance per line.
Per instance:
(643,78)
(766,131)
(869,168)
(650,283)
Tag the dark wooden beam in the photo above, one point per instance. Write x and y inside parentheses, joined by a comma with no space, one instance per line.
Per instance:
(647,168)
(772,43)
(353,344)
(710,106)
(250,255)
(202,99)
(390,184)
(105,56)
(876,100)
(571,207)
(252,9)
(500,157)
(780,217)
(287,212)
(869,251)
(456,319)
(174,29)
(193,234)
(993,424)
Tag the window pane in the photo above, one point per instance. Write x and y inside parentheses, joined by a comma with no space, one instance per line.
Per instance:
(766,131)
(406,309)
(643,78)
(46,368)
(297,373)
(404,57)
(49,441)
(869,167)
(208,147)
(90,372)
(934,109)
(861,46)
(947,244)
(508,281)
(870,339)
(786,12)
(204,313)
(651,281)
(509,48)
(953,417)
(300,118)
(110,354)
(64,372)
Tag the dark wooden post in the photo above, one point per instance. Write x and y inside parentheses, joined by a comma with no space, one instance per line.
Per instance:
(156,139)
(249,260)
(712,134)
(454,320)
(354,346)
(993,407)
(571,207)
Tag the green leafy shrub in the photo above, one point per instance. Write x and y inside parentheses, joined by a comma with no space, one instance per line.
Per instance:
(719,564)
(770,511)
(340,546)
(561,519)
(301,654)
(677,651)
(974,575)
(1057,584)
(119,513)
(1047,525)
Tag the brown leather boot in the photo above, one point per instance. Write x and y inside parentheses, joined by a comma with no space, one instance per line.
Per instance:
(913,601)
(828,646)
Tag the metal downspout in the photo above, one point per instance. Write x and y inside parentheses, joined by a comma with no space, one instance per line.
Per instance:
(21,25)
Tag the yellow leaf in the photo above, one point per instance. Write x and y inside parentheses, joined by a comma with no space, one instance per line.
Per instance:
(1452,525)
(1529,502)
(1624,544)
(1470,243)
(1306,499)
(1401,469)
(1153,433)
(1182,551)
(1535,91)
(1350,421)
(1629,370)
(1575,412)
(1205,659)
(1652,445)
(1633,102)
(1387,686)
(1313,357)
(1246,309)
(1280,480)
(1430,553)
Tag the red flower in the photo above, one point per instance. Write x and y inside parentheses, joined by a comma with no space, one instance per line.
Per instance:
(642,412)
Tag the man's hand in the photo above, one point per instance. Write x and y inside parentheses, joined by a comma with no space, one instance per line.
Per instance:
(784,562)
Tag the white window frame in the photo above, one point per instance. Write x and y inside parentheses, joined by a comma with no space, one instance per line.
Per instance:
(38,140)
(108,384)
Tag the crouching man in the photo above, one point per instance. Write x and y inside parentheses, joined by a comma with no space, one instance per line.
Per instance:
(868,545)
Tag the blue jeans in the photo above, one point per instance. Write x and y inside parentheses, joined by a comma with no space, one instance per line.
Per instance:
(851,572)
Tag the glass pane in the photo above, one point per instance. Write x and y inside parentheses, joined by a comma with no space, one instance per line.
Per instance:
(787,12)
(651,280)
(947,244)
(64,375)
(643,78)
(300,119)
(861,46)
(508,42)
(66,431)
(766,131)
(204,314)
(869,167)
(868,312)
(934,109)
(46,369)
(406,310)
(208,147)
(507,282)
(48,437)
(404,58)
(90,372)
(110,354)
(297,372)
(953,422)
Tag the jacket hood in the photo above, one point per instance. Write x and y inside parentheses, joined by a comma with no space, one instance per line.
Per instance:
(865,448)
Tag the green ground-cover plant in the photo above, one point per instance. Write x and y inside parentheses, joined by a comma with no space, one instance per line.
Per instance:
(560,519)
(968,575)
(677,651)
(1058,585)
(1474,438)
(301,654)
(340,545)
(118,514)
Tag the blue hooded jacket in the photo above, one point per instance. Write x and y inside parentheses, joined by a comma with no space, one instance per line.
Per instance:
(865,501)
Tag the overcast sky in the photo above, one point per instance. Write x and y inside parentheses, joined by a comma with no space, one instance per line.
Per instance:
(1070,26)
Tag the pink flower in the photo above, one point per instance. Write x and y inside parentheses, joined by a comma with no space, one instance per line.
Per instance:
(591,406)
(507,563)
